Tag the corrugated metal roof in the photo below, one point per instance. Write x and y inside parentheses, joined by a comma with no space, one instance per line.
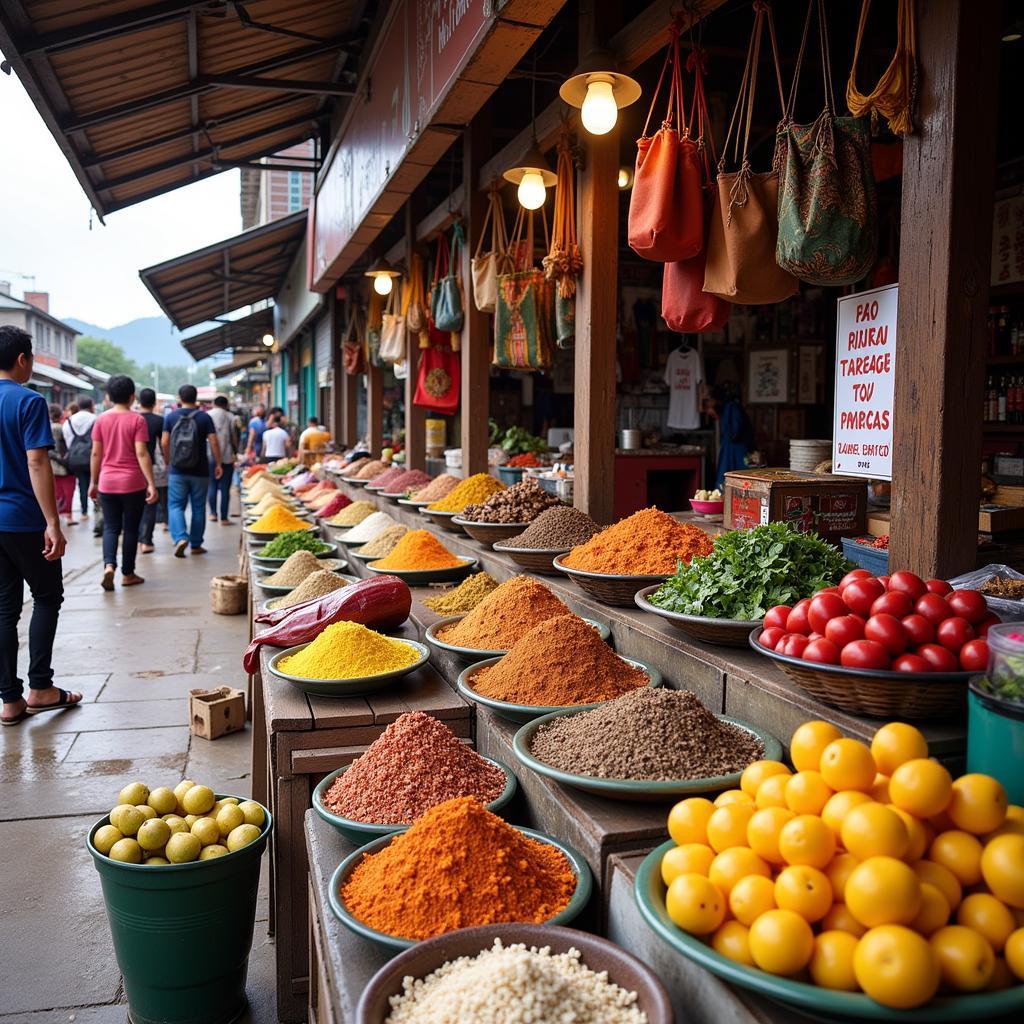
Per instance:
(242,335)
(59,376)
(144,97)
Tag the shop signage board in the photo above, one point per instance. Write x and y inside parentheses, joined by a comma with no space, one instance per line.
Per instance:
(1008,241)
(865,371)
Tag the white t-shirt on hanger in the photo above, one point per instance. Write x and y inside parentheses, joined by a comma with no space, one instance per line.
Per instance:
(684,372)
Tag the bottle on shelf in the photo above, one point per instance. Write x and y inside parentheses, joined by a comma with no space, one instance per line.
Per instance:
(1003,331)
(991,402)
(1002,400)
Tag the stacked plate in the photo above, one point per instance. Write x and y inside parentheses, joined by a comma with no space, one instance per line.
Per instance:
(806,453)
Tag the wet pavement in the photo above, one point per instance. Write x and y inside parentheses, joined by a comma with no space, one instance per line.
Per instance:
(134,654)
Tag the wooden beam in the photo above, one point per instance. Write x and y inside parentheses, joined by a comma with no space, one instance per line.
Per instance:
(337,425)
(415,415)
(945,266)
(375,408)
(442,217)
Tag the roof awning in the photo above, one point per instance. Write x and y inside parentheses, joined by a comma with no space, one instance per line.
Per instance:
(243,334)
(211,282)
(240,362)
(58,376)
(145,97)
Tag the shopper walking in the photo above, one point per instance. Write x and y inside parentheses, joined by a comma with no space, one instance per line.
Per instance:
(254,442)
(276,441)
(220,486)
(63,481)
(122,479)
(78,438)
(184,443)
(31,542)
(153,512)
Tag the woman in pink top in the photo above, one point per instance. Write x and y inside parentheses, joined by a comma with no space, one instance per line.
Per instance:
(122,479)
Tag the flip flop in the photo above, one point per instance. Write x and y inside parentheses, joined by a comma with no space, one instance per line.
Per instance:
(64,702)
(19,717)
(107,582)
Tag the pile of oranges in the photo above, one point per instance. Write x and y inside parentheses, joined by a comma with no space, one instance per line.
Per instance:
(867,869)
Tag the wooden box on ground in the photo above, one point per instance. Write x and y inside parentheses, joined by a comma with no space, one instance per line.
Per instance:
(215,713)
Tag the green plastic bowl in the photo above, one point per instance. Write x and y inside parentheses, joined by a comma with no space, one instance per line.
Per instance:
(636,789)
(393,943)
(268,537)
(523,713)
(281,590)
(276,563)
(476,653)
(361,832)
(820,1003)
(349,687)
(422,577)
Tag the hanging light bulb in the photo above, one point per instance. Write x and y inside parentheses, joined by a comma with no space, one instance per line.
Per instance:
(599,111)
(599,93)
(268,340)
(533,177)
(382,284)
(532,191)
(383,275)
(625,178)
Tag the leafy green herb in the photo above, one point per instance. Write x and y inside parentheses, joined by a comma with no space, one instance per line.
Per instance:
(749,571)
(518,441)
(285,544)
(1007,681)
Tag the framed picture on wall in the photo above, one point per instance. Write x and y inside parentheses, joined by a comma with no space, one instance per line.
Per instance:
(768,376)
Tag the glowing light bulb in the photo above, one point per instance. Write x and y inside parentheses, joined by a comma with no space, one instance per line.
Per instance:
(532,192)
(268,340)
(625,178)
(600,111)
(382,284)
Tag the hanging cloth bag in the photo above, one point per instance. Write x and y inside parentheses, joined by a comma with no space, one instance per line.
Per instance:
(446,300)
(438,379)
(374,323)
(416,314)
(487,265)
(392,330)
(352,352)
(828,215)
(564,261)
(685,306)
(893,94)
(744,226)
(666,215)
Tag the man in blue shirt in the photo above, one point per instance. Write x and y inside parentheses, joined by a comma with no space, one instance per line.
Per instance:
(257,425)
(31,543)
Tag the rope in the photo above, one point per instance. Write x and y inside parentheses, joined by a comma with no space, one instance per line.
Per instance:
(564,261)
(893,94)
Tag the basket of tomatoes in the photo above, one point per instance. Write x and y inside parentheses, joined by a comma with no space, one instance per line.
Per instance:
(882,645)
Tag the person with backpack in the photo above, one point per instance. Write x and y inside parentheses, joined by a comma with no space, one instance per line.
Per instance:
(63,481)
(220,487)
(186,431)
(77,431)
(153,513)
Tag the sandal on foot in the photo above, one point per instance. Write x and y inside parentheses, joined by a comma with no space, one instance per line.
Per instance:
(131,580)
(107,582)
(64,702)
(15,719)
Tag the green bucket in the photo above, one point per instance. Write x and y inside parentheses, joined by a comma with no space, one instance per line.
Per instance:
(182,932)
(995,739)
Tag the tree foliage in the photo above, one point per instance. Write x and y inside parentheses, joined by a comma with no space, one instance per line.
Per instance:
(101,354)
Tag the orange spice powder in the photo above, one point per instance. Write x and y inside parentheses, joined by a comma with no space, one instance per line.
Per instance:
(418,549)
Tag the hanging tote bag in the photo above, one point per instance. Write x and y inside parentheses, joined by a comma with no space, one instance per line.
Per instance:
(374,322)
(487,265)
(416,314)
(392,329)
(685,306)
(446,300)
(564,263)
(828,214)
(744,227)
(352,357)
(893,94)
(438,379)
(666,215)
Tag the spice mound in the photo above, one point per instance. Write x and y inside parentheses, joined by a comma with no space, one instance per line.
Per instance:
(285,544)
(295,569)
(262,488)
(515,985)
(353,515)
(371,469)
(373,525)
(354,466)
(417,550)
(381,480)
(322,499)
(560,662)
(384,543)
(458,866)
(651,735)
(335,504)
(504,616)
(267,502)
(463,598)
(558,529)
(647,543)
(348,650)
(316,584)
(415,764)
(409,480)
(440,487)
(471,491)
(520,503)
(278,520)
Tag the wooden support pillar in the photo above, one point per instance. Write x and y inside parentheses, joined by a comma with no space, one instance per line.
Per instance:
(337,414)
(476,334)
(415,415)
(347,383)
(945,261)
(375,409)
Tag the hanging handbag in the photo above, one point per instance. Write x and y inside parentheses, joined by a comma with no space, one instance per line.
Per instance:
(416,314)
(446,297)
(685,306)
(828,216)
(487,265)
(392,330)
(374,322)
(744,227)
(437,379)
(564,262)
(893,94)
(352,344)
(666,214)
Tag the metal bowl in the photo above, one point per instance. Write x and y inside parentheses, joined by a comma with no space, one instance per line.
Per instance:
(349,687)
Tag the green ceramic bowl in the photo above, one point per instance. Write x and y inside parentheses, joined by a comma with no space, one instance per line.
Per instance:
(282,589)
(523,713)
(476,653)
(819,1003)
(268,537)
(636,789)
(276,563)
(392,943)
(421,577)
(349,687)
(360,832)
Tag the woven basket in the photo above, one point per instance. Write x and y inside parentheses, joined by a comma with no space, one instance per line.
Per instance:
(228,595)
(875,693)
(725,632)
(490,533)
(619,591)
(539,560)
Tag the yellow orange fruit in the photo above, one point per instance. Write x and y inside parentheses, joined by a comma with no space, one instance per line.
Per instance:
(873,830)
(733,796)
(691,858)
(921,787)
(808,742)
(806,839)
(960,852)
(754,774)
(688,820)
(880,789)
(772,792)
(732,940)
(1015,953)
(751,897)
(1002,865)
(978,804)
(1013,823)
(763,830)
(896,967)
(695,904)
(934,912)
(839,806)
(848,764)
(781,942)
(807,792)
(895,744)
(965,958)
(805,890)
(735,863)
(831,963)
(988,916)
(942,878)
(919,835)
(838,871)
(840,919)
(727,826)
(883,890)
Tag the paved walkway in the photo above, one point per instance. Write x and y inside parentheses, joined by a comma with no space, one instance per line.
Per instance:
(134,654)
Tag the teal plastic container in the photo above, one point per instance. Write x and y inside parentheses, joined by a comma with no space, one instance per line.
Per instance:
(995,739)
(182,932)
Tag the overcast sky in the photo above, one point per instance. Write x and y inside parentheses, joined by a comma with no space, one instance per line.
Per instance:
(44,224)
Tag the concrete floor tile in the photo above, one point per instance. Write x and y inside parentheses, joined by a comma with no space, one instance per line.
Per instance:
(261,982)
(222,764)
(27,761)
(114,1013)
(142,714)
(51,771)
(131,742)
(136,686)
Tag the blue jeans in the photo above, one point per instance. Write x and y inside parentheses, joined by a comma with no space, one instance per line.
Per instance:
(182,491)
(221,487)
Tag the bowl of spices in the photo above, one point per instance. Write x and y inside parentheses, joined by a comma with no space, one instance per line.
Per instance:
(726,632)
(420,558)
(277,520)
(383,544)
(295,569)
(415,764)
(515,972)
(351,515)
(399,488)
(438,488)
(439,875)
(454,601)
(347,660)
(554,532)
(474,490)
(502,618)
(446,520)
(505,513)
(647,745)
(278,551)
(373,525)
(316,584)
(636,552)
(560,663)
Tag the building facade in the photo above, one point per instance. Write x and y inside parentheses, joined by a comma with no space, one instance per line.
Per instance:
(270,195)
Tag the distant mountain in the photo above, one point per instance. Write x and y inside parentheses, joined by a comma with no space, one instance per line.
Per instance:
(150,339)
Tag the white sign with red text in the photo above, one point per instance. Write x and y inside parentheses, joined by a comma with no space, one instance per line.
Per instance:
(865,371)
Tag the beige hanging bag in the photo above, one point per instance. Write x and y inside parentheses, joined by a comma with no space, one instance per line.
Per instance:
(486,266)
(392,330)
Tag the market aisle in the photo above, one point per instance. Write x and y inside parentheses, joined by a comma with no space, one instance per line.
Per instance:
(134,654)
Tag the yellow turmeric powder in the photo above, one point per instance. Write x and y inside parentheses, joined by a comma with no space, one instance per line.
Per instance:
(471,491)
(417,550)
(349,650)
(277,520)
(353,515)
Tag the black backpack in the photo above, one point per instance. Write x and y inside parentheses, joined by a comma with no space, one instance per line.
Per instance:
(80,450)
(188,450)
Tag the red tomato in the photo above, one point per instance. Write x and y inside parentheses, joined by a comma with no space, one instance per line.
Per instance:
(953,633)
(864,654)
(853,574)
(908,583)
(974,656)
(797,621)
(822,608)
(771,636)
(990,620)
(884,580)
(794,645)
(940,659)
(826,590)
(777,616)
(919,630)
(969,605)
(888,631)
(894,602)
(823,651)
(815,636)
(934,608)
(910,663)
(861,594)
(845,630)
(938,587)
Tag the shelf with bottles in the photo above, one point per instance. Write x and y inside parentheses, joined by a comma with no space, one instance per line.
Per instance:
(1003,404)
(1006,331)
